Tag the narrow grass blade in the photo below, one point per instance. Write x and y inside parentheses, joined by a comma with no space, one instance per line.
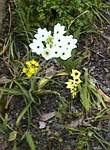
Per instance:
(30,141)
(11,91)
(22,114)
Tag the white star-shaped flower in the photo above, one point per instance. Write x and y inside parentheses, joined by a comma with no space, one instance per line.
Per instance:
(59,40)
(42,34)
(53,46)
(36,46)
(65,54)
(46,53)
(70,43)
(59,30)
(55,52)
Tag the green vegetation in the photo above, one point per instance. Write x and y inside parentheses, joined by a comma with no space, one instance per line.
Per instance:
(79,16)
(37,110)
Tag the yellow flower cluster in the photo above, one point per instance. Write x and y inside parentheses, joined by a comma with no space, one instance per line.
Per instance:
(72,84)
(31,68)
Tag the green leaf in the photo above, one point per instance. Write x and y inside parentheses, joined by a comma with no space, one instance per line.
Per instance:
(90,97)
(22,114)
(85,92)
(12,136)
(85,98)
(42,82)
(100,99)
(23,90)
(30,141)
(10,91)
(61,74)
(46,92)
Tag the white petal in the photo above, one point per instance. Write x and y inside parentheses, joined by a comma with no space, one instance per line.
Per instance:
(42,34)
(36,47)
(65,55)
(75,41)
(70,41)
(59,40)
(46,53)
(56,52)
(37,41)
(59,30)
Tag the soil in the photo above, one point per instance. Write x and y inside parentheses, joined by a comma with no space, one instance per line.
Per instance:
(2,12)
(99,63)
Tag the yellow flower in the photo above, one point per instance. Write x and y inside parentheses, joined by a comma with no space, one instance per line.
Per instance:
(28,64)
(73,93)
(77,81)
(31,68)
(75,73)
(71,84)
(25,70)
(29,74)
(35,63)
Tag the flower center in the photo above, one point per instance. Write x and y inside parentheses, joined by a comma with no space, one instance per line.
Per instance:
(46,53)
(49,40)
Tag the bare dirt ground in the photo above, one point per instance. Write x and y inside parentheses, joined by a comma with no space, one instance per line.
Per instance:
(2,12)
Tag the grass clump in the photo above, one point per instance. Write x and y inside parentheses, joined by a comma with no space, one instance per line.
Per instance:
(79,16)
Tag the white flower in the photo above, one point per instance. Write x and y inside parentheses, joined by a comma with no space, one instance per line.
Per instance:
(55,52)
(53,46)
(42,34)
(59,30)
(70,43)
(46,53)
(65,54)
(36,47)
(59,40)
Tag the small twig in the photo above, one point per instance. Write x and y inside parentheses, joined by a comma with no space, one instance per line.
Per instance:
(106,98)
(4,48)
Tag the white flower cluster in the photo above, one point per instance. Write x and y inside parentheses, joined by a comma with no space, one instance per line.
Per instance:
(56,45)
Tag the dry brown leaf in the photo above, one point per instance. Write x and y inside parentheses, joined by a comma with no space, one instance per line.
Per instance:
(76,122)
(45,117)
(106,98)
(50,71)
(3,79)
